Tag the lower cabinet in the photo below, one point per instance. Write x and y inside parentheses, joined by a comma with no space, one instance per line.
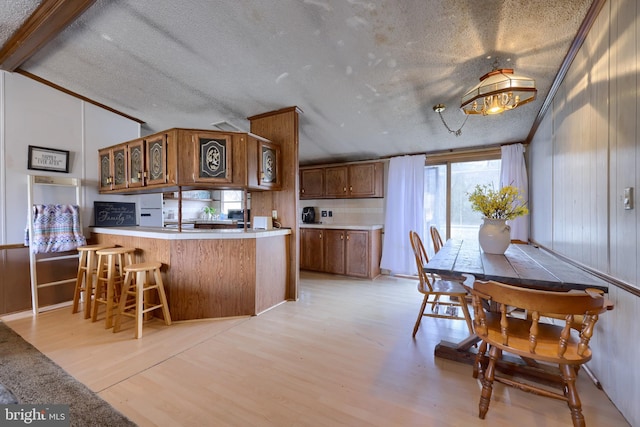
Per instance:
(311,249)
(339,251)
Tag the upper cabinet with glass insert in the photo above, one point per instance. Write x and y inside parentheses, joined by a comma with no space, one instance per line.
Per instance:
(113,167)
(191,159)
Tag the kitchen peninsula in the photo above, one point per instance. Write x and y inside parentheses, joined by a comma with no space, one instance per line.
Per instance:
(212,273)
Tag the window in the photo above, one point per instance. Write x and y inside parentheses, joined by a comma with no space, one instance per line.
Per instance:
(230,199)
(446,184)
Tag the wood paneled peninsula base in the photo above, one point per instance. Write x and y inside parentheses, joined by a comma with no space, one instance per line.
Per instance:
(212,273)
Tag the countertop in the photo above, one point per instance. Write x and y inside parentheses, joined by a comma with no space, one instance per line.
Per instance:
(369,227)
(190,233)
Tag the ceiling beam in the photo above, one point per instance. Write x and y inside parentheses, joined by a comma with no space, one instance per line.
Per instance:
(76,95)
(584,29)
(46,22)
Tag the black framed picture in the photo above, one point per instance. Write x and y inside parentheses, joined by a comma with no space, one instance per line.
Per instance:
(48,159)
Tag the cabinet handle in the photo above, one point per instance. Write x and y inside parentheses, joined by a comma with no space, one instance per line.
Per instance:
(344,189)
(320,235)
(350,188)
(302,191)
(347,237)
(342,237)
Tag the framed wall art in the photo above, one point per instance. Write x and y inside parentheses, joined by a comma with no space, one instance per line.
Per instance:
(48,159)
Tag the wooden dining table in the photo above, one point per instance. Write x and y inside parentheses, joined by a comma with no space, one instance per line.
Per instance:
(524,265)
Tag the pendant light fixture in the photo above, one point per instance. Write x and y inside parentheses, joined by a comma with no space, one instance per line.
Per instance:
(498,91)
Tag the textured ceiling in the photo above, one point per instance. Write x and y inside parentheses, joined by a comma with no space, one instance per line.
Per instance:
(366,74)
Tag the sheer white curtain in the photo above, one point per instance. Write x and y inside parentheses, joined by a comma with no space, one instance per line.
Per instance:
(404,212)
(514,172)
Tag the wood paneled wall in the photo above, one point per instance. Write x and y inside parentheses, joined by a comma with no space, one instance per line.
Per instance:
(281,127)
(15,280)
(583,155)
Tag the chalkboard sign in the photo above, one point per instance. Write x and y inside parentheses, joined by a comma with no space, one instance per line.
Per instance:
(114,214)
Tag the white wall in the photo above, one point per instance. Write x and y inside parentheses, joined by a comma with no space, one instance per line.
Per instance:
(582,157)
(35,114)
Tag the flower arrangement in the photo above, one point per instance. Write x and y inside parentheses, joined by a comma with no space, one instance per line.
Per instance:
(506,203)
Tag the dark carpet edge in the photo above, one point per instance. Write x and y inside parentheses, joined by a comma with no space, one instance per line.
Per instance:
(33,378)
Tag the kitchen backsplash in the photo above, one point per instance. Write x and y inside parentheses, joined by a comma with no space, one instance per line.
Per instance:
(347,211)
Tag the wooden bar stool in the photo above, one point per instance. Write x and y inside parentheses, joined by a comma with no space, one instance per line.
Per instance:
(86,270)
(110,276)
(138,287)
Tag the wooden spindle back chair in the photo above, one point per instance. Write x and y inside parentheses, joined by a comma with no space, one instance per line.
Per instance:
(435,238)
(434,288)
(533,339)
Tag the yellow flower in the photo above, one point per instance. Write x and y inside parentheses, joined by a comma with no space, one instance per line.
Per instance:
(507,203)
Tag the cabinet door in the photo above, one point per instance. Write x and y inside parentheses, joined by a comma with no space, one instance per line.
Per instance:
(312,183)
(212,158)
(120,167)
(357,253)
(269,175)
(334,246)
(336,179)
(135,151)
(362,180)
(156,160)
(105,169)
(311,249)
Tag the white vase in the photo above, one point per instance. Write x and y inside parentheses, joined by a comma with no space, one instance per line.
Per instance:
(494,236)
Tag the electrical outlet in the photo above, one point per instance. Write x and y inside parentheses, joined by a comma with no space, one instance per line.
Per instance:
(330,213)
(324,214)
(274,214)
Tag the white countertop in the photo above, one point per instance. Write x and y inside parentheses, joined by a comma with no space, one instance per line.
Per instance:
(191,233)
(369,227)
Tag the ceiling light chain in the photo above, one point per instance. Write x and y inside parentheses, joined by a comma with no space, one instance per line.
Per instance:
(439,109)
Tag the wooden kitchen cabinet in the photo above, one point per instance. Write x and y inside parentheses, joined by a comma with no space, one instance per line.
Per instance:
(312,183)
(311,249)
(334,251)
(191,159)
(336,182)
(136,163)
(112,167)
(263,164)
(212,159)
(340,251)
(357,180)
(366,180)
(157,157)
(357,261)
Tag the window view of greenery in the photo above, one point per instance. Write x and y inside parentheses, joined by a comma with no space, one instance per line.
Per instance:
(464,177)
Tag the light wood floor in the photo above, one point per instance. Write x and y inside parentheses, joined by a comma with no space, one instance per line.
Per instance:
(340,356)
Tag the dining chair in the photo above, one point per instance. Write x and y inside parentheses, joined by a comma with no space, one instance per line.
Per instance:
(435,288)
(527,335)
(435,238)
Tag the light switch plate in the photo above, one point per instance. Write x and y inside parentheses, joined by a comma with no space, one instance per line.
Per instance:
(628,198)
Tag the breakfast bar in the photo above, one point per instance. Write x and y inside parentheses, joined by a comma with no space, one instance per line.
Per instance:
(212,273)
